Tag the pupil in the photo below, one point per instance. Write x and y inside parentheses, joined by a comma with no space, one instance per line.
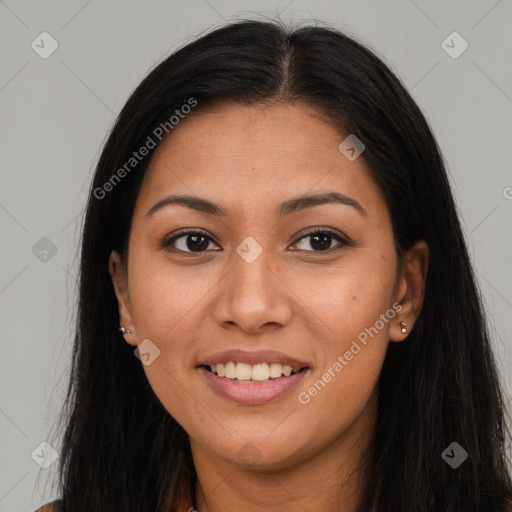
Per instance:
(197,245)
(323,237)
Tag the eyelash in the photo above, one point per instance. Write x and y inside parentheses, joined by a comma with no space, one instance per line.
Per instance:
(167,244)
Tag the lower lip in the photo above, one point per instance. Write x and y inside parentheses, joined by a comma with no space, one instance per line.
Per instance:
(253,393)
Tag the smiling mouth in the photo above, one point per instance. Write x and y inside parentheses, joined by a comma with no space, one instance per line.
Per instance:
(257,373)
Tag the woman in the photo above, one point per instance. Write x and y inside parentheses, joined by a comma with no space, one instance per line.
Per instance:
(271,225)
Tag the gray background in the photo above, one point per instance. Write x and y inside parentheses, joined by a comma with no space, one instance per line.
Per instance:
(57,111)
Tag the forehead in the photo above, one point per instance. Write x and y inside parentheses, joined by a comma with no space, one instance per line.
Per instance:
(256,155)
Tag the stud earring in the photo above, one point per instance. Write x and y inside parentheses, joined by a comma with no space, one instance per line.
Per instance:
(124,330)
(403,327)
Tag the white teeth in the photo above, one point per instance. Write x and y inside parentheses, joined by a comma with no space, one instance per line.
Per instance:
(243,371)
(230,370)
(276,370)
(258,372)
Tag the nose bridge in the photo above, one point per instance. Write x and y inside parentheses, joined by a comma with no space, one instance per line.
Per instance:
(251,284)
(251,295)
(251,271)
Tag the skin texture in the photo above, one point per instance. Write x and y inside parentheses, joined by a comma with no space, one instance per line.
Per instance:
(294,298)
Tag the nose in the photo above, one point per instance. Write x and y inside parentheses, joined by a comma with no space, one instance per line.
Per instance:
(253,296)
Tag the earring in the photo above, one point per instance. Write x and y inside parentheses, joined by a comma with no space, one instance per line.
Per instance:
(124,330)
(403,328)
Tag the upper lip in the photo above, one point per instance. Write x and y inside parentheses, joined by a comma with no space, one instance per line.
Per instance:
(252,358)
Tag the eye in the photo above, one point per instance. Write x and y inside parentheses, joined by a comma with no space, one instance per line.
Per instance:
(321,240)
(197,241)
(191,241)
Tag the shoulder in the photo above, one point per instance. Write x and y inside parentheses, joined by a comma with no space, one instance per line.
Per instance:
(53,506)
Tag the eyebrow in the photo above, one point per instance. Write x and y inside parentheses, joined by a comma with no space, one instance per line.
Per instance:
(291,206)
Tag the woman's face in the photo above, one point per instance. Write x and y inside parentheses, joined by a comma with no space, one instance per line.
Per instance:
(254,281)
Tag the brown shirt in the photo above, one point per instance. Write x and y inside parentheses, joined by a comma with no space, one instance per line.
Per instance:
(53,506)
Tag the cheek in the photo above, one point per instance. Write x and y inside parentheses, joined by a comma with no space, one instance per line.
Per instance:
(351,296)
(162,297)
(163,303)
(351,354)
(354,305)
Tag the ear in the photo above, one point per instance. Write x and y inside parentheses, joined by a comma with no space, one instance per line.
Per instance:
(410,289)
(118,275)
